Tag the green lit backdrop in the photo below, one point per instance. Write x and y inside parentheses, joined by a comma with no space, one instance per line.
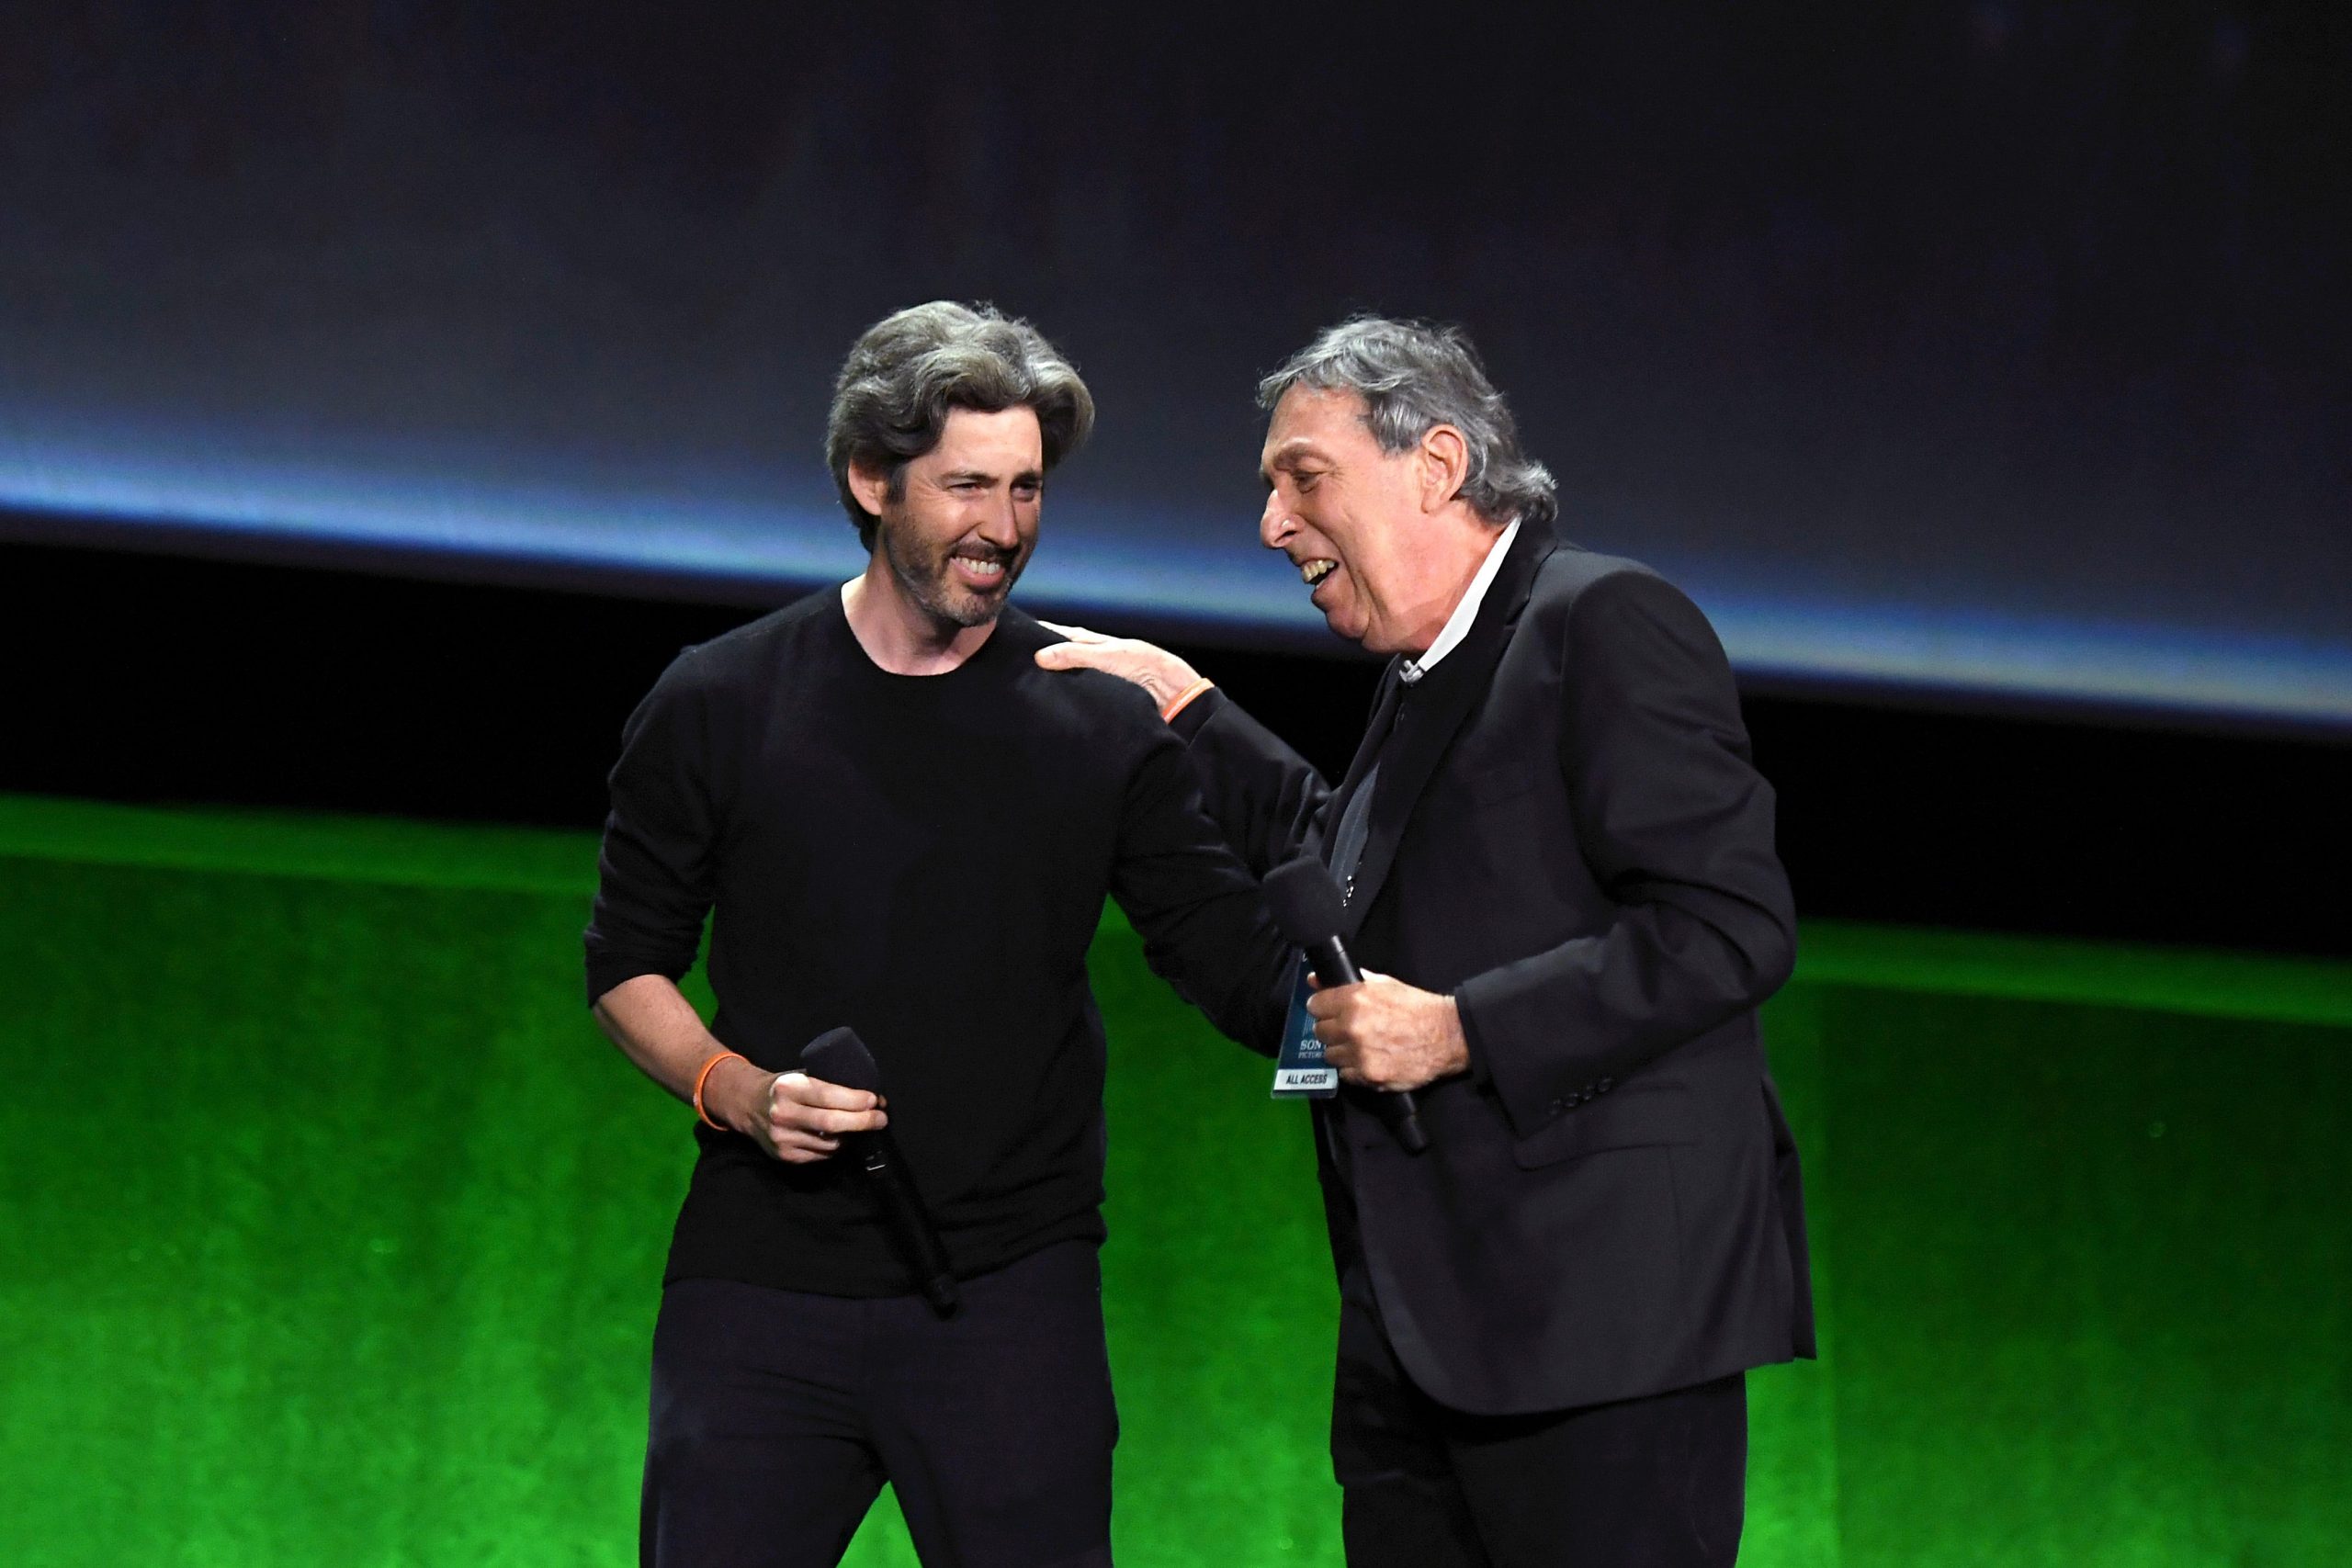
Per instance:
(331,1233)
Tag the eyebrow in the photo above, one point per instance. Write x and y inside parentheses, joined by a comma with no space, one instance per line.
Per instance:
(958,476)
(1294,450)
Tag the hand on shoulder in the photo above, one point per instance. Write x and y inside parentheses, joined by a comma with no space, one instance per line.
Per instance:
(1158,671)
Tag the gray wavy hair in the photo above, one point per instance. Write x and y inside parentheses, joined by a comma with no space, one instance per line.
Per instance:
(911,369)
(1415,376)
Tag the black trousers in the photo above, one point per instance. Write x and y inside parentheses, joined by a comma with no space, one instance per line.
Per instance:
(777,1416)
(1654,1483)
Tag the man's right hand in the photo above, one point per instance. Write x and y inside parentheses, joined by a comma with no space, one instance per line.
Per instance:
(797,1118)
(1153,668)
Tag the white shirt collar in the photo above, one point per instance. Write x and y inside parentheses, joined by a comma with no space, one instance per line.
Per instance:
(1457,624)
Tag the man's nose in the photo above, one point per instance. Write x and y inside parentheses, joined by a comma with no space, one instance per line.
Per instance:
(1000,523)
(1276,525)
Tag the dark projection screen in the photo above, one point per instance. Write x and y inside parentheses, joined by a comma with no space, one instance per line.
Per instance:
(2000,347)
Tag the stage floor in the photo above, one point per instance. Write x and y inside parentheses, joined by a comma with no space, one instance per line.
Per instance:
(333,1230)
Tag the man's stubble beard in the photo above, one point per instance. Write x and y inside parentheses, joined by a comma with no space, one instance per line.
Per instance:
(928,585)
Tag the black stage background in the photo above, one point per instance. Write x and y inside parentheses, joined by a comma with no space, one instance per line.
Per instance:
(158,679)
(1982,340)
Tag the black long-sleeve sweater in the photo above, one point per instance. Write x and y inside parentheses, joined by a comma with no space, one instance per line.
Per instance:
(924,859)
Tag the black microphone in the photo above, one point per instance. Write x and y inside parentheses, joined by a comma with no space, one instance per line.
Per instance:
(838,1056)
(1310,909)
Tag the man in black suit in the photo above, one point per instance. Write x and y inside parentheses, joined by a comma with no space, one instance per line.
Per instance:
(1563,888)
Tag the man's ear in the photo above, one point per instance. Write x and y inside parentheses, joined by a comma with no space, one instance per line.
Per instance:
(1445,466)
(870,485)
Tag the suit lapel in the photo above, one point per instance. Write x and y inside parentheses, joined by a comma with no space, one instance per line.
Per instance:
(1383,714)
(1434,712)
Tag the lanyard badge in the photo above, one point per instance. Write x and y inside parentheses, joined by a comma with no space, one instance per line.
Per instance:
(1300,1073)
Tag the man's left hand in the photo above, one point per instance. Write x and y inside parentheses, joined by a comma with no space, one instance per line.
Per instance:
(1386,1034)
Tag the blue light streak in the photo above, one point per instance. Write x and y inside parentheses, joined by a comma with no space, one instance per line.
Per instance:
(1127,565)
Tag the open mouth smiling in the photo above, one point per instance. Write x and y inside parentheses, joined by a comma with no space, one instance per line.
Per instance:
(980,571)
(1315,571)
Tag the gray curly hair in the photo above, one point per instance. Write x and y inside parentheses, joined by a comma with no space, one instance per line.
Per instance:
(1415,376)
(909,370)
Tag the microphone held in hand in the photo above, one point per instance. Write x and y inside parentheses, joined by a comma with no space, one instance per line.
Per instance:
(839,1056)
(1310,909)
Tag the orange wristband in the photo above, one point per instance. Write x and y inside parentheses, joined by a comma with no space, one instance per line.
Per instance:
(703,1078)
(1183,699)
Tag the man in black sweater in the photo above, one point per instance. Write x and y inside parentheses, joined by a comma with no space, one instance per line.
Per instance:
(903,826)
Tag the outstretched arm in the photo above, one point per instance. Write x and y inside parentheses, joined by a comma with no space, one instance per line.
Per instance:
(1265,798)
(1205,924)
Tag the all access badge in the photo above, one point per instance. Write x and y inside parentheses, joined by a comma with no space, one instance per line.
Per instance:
(1299,1072)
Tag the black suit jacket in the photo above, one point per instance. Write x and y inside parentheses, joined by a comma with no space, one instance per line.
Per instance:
(1565,833)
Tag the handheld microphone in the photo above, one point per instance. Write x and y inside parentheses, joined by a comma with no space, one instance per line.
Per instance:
(838,1056)
(1310,909)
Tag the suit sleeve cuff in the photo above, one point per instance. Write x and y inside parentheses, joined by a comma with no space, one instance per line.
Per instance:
(1529,1090)
(1194,716)
(1481,1073)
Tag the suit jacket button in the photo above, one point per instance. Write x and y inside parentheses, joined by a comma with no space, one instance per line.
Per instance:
(1605,1085)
